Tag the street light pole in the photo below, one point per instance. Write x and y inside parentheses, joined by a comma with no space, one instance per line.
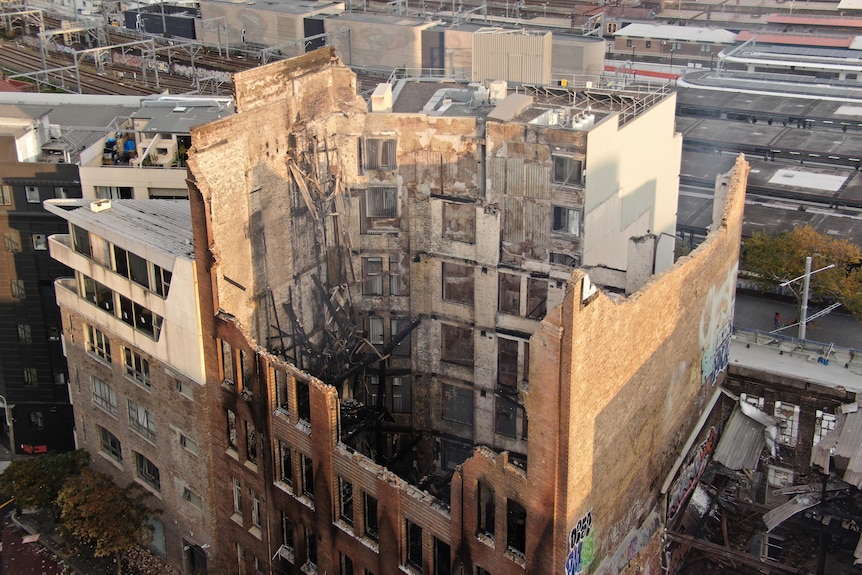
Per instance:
(803,309)
(806,281)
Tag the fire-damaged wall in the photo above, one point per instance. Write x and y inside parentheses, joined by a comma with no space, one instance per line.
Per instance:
(637,372)
(334,237)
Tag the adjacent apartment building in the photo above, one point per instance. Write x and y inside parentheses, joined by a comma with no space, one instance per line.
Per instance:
(70,146)
(132,338)
(442,332)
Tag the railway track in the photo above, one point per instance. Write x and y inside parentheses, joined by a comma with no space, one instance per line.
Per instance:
(117,79)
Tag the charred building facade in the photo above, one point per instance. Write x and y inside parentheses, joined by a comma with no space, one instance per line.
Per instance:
(405,372)
(440,333)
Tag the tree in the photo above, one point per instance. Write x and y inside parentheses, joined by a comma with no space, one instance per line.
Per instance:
(780,257)
(35,483)
(96,511)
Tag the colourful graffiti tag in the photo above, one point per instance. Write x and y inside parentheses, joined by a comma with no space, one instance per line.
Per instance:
(582,545)
(690,474)
(716,357)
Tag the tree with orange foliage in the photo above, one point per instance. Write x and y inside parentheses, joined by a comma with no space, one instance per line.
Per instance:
(774,259)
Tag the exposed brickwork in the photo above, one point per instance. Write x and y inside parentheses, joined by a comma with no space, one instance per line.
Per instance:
(614,384)
(179,467)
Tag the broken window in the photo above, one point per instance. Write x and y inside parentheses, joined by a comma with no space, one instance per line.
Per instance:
(227,362)
(779,476)
(823,424)
(370,512)
(458,283)
(397,325)
(442,558)
(566,260)
(567,221)
(456,344)
(303,400)
(537,298)
(310,551)
(281,378)
(250,443)
(307,468)
(567,170)
(399,275)
(507,362)
(346,495)
(459,222)
(374,330)
(516,527)
(402,394)
(237,496)
(381,202)
(372,388)
(414,545)
(506,416)
(509,300)
(458,404)
(346,565)
(752,400)
(287,532)
(487,509)
(231,429)
(380,153)
(285,462)
(372,276)
(453,454)
(247,362)
(788,419)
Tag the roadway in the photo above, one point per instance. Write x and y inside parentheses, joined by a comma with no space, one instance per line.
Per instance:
(755,311)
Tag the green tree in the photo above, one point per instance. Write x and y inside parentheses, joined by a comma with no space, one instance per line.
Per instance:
(96,511)
(780,257)
(35,483)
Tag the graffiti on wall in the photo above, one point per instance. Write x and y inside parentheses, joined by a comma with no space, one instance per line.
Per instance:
(690,474)
(716,356)
(716,326)
(634,542)
(582,545)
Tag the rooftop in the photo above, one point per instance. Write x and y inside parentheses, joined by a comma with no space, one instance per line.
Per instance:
(556,106)
(301,7)
(178,115)
(164,226)
(677,33)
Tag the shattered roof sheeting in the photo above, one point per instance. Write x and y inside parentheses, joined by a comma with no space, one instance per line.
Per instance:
(741,442)
(822,450)
(844,441)
(850,446)
(784,512)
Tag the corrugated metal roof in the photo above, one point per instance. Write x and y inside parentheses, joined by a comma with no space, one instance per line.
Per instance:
(784,512)
(678,33)
(163,226)
(741,442)
(850,5)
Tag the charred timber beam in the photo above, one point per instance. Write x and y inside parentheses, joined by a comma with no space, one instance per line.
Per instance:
(730,554)
(383,353)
